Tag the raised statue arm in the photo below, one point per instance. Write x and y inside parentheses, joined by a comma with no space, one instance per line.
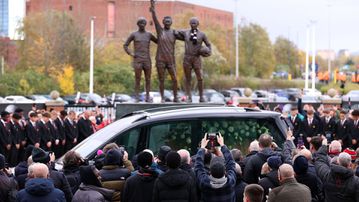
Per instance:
(154,17)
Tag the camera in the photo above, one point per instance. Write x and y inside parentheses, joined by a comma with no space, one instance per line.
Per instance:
(212,137)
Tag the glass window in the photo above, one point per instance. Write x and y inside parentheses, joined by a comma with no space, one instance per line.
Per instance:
(177,135)
(239,132)
(130,141)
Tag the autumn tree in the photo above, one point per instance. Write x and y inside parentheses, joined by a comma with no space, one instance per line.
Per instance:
(256,55)
(66,80)
(51,39)
(286,54)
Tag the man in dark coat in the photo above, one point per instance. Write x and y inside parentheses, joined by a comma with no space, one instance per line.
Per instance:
(339,181)
(175,184)
(91,189)
(254,166)
(5,135)
(59,179)
(144,180)
(16,132)
(84,126)
(7,183)
(161,157)
(302,175)
(296,121)
(270,180)
(355,129)
(32,130)
(39,187)
(290,189)
(343,130)
(22,168)
(55,134)
(45,133)
(311,127)
(71,130)
(219,184)
(328,124)
(60,124)
(185,162)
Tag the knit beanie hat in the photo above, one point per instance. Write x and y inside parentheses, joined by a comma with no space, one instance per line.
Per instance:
(163,152)
(144,159)
(274,162)
(300,165)
(173,160)
(113,157)
(351,152)
(40,156)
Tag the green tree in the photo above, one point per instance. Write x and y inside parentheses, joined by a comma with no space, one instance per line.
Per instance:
(51,39)
(256,53)
(286,54)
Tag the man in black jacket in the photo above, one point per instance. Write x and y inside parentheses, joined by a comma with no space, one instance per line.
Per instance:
(16,132)
(328,124)
(32,130)
(144,180)
(5,135)
(55,134)
(71,130)
(84,126)
(343,130)
(253,168)
(355,128)
(175,184)
(339,180)
(59,179)
(60,124)
(311,127)
(45,133)
(270,180)
(7,183)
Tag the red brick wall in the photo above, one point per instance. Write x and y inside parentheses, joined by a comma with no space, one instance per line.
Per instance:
(127,13)
(8,49)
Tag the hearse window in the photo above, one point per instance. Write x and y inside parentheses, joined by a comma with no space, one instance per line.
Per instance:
(129,140)
(177,135)
(239,132)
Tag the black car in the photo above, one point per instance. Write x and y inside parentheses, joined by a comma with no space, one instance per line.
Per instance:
(183,129)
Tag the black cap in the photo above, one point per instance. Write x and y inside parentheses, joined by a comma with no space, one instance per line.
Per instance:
(144,159)
(113,157)
(163,152)
(173,160)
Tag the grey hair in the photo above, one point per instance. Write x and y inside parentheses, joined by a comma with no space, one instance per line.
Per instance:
(254,146)
(344,159)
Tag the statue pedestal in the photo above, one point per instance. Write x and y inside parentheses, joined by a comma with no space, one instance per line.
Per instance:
(330,102)
(54,104)
(245,102)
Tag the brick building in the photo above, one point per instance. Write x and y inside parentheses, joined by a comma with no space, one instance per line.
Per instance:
(117,18)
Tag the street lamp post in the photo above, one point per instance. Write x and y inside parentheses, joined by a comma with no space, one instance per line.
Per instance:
(92,54)
(307,59)
(313,56)
(237,41)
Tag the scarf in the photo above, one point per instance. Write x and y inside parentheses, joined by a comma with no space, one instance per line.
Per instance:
(193,37)
(217,183)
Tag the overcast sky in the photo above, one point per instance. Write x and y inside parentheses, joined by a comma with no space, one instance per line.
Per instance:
(290,18)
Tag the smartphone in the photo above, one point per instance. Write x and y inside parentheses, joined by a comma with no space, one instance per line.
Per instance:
(212,137)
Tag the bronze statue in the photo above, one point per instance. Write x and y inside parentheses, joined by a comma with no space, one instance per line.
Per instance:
(165,56)
(193,39)
(141,56)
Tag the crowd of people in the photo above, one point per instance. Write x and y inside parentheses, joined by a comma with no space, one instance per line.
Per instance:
(52,131)
(317,162)
(321,172)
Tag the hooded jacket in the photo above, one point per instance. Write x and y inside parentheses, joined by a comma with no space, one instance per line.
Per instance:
(174,185)
(91,193)
(253,167)
(225,192)
(339,183)
(39,189)
(144,180)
